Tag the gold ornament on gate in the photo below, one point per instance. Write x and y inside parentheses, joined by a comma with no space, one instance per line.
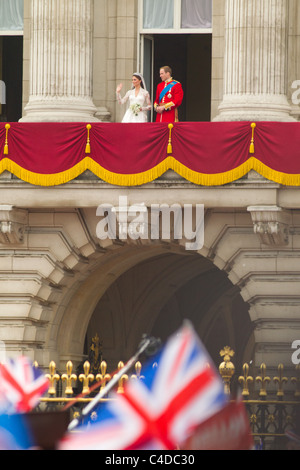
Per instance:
(227,368)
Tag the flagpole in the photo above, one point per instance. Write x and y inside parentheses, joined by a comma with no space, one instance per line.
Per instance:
(145,344)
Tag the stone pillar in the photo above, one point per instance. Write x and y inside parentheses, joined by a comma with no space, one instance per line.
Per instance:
(61,62)
(255,74)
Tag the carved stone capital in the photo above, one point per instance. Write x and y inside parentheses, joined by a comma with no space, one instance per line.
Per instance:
(12,224)
(271,223)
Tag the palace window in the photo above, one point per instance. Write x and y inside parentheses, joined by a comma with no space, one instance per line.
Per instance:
(176,16)
(11,59)
(178,33)
(11,17)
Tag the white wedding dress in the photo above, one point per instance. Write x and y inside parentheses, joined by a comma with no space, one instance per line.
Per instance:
(142,99)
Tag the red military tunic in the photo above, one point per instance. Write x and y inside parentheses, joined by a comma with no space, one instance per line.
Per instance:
(171,101)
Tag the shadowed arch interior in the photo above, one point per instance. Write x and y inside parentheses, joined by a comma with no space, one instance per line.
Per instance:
(156,295)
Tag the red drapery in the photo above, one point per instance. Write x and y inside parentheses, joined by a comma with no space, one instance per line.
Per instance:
(206,154)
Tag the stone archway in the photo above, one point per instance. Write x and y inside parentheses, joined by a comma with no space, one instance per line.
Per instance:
(158,294)
(231,247)
(97,286)
(60,274)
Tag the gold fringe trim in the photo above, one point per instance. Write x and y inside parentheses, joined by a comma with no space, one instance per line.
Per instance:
(220,179)
(87,163)
(138,179)
(39,179)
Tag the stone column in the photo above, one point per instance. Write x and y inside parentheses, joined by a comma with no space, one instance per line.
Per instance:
(255,74)
(61,62)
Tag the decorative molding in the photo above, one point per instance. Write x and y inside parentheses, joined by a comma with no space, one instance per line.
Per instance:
(271,224)
(13,222)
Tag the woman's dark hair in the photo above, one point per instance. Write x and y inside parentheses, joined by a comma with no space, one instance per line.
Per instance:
(140,78)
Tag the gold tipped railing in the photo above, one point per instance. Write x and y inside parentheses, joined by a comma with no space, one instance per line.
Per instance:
(271,402)
(69,381)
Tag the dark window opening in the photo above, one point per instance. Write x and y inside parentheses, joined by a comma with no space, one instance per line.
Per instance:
(189,55)
(11,73)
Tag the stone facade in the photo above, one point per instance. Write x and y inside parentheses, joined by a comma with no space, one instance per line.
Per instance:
(60,285)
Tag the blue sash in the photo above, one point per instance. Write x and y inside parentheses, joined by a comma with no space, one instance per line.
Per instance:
(166,90)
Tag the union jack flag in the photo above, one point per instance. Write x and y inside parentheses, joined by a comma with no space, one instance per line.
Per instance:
(161,411)
(21,386)
(14,433)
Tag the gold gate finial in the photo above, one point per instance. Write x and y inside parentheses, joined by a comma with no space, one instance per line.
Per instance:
(69,377)
(138,369)
(280,380)
(245,380)
(103,377)
(53,377)
(122,379)
(264,380)
(227,368)
(86,378)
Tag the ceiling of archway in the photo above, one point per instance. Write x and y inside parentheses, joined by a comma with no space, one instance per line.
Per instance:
(156,295)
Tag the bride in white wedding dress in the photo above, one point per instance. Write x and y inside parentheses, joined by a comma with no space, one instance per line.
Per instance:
(138,100)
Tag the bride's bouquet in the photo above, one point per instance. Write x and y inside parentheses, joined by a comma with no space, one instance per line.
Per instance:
(136,109)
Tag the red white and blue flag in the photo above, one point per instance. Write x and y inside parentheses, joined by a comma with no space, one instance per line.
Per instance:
(161,411)
(21,386)
(15,433)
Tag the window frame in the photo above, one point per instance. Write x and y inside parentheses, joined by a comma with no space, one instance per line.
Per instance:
(11,32)
(176,22)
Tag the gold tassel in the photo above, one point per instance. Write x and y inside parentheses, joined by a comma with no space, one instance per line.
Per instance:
(170,150)
(7,127)
(253,125)
(88,144)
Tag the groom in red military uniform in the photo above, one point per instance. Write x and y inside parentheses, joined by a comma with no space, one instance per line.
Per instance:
(169,96)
